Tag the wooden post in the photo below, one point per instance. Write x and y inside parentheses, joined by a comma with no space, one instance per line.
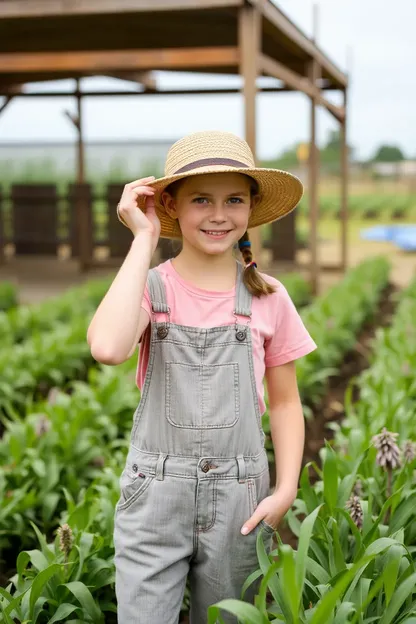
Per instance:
(249,48)
(83,208)
(80,142)
(313,189)
(344,189)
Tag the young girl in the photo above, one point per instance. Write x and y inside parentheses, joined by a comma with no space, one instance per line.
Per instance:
(195,487)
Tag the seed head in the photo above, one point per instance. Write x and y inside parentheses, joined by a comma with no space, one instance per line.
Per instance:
(353,505)
(98,462)
(42,426)
(53,395)
(388,456)
(409,451)
(65,539)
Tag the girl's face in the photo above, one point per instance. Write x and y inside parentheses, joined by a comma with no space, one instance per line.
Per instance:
(213,210)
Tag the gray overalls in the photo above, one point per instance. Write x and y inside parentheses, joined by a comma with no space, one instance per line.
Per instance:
(195,471)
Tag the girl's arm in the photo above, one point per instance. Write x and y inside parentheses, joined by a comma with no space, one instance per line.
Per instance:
(287,427)
(119,321)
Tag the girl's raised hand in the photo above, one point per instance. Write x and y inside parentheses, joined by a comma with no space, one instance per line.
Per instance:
(128,210)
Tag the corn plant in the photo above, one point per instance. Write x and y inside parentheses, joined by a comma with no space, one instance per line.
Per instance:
(346,568)
(335,319)
(72,578)
(60,447)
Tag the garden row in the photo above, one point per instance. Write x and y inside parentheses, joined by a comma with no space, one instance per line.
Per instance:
(356,526)
(375,206)
(62,462)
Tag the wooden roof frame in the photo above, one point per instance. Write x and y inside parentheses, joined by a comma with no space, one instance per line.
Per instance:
(250,38)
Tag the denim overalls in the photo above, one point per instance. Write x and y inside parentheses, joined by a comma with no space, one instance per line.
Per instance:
(195,471)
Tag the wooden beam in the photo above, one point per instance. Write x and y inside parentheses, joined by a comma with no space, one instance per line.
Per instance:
(292,32)
(119,60)
(249,37)
(313,188)
(146,78)
(92,94)
(42,8)
(344,190)
(273,68)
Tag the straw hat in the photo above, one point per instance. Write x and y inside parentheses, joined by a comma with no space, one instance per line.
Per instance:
(223,152)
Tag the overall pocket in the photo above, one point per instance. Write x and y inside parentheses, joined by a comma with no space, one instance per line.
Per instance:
(202,397)
(133,484)
(261,487)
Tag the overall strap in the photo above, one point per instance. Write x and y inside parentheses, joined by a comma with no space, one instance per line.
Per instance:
(243,298)
(157,292)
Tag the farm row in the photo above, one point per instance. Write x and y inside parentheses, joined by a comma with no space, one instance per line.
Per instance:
(376,207)
(66,435)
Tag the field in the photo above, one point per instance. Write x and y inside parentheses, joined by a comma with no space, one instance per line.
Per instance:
(346,551)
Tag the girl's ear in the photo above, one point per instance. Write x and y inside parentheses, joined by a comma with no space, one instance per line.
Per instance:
(255,200)
(170,204)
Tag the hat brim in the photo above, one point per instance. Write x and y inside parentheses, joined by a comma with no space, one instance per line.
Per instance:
(280,193)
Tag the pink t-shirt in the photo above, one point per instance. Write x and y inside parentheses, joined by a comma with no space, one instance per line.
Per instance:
(278,333)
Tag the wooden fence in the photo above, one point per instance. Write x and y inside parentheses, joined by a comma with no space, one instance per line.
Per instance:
(39,218)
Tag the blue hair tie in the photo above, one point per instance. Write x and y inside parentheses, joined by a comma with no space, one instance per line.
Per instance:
(245,244)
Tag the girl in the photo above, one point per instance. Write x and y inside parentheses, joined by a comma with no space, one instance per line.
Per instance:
(195,487)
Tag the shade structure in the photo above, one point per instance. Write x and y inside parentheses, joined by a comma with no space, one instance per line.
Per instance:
(129,39)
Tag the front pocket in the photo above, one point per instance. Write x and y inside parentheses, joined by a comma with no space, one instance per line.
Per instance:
(269,529)
(132,487)
(200,396)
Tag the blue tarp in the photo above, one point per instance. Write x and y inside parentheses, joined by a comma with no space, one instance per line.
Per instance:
(404,236)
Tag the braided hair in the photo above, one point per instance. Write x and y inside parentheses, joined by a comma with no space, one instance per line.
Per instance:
(254,282)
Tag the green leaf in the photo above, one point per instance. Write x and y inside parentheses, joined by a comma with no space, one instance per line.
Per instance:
(308,493)
(404,511)
(84,597)
(330,478)
(303,548)
(391,571)
(39,583)
(246,613)
(404,591)
(325,608)
(63,611)
(288,577)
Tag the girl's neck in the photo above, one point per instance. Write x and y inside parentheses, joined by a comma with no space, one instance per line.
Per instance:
(209,272)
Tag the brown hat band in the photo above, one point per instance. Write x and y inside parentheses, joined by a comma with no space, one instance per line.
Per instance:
(207,162)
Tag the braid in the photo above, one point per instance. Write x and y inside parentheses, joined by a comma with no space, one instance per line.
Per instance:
(254,282)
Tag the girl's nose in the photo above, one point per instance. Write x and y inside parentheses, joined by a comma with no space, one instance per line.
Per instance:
(218,213)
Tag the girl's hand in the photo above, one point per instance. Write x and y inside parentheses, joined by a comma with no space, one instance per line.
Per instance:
(128,210)
(271,510)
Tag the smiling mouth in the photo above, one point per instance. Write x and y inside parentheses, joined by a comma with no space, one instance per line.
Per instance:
(216,233)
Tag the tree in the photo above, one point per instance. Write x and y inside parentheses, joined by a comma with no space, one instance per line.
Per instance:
(388,153)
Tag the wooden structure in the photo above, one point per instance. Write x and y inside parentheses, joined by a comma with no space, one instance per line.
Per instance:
(50,40)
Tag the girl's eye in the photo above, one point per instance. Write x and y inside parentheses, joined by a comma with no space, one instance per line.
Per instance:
(235,200)
(200,200)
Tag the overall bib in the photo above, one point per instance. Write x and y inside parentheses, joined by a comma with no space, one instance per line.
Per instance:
(195,471)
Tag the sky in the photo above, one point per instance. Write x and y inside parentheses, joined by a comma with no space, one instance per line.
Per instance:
(373,40)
